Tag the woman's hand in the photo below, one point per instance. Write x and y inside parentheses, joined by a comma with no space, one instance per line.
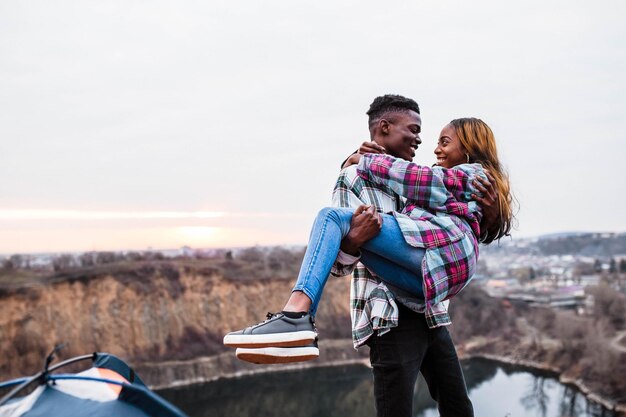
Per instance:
(371,147)
(366,147)
(352,160)
(366,224)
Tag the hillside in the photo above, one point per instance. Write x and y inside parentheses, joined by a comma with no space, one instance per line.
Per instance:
(167,318)
(147,312)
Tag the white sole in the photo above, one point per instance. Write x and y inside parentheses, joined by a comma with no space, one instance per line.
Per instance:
(289,339)
(272,355)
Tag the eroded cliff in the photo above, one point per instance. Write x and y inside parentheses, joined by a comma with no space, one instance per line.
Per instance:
(149,314)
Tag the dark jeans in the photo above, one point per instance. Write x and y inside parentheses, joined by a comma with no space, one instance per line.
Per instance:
(398,356)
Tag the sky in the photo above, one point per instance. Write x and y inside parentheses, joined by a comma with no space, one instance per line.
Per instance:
(158,124)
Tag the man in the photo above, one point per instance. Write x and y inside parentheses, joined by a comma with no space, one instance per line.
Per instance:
(402,341)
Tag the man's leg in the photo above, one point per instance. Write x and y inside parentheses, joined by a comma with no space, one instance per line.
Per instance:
(443,374)
(396,358)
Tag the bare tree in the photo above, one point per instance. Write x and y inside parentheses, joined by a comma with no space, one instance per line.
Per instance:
(63,263)
(253,254)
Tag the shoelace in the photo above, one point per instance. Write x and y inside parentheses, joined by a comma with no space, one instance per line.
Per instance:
(268,317)
(271,315)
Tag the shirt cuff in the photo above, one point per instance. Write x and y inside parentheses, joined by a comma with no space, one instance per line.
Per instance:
(347,259)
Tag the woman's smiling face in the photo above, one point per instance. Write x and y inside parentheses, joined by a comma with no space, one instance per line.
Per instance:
(449,150)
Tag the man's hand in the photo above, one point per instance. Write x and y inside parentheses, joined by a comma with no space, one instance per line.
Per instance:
(366,224)
(366,147)
(488,201)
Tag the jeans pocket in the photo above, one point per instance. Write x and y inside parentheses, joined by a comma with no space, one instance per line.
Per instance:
(388,350)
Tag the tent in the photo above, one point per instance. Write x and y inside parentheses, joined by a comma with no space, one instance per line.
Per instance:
(108,388)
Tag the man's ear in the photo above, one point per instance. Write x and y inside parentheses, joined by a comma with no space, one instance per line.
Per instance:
(383,126)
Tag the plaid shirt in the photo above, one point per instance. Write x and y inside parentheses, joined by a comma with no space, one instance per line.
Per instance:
(436,215)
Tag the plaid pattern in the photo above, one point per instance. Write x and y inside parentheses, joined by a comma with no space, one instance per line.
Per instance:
(441,220)
(373,305)
(438,215)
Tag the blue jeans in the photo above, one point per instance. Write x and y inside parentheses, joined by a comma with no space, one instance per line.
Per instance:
(387,255)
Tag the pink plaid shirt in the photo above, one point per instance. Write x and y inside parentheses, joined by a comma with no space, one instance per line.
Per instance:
(438,216)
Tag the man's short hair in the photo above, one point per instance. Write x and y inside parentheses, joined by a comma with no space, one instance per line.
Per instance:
(389,103)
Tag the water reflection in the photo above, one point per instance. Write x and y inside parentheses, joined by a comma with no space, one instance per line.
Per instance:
(496,390)
(340,391)
(536,397)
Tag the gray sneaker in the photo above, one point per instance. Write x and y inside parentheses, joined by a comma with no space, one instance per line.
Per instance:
(277,331)
(271,355)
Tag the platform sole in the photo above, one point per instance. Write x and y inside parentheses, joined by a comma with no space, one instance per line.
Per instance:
(273,355)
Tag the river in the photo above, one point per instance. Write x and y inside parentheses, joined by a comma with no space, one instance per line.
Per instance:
(496,390)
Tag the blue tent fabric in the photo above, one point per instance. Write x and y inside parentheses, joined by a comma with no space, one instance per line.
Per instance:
(108,361)
(149,402)
(96,392)
(53,403)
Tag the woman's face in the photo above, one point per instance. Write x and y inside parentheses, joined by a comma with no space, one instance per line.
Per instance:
(449,150)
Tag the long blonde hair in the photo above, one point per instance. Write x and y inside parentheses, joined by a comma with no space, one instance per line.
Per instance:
(479,144)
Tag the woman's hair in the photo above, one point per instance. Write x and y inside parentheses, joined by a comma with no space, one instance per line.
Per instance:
(479,144)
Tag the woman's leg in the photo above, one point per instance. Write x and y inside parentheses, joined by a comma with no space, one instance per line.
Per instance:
(294,328)
(390,257)
(330,226)
(391,245)
(392,273)
(290,328)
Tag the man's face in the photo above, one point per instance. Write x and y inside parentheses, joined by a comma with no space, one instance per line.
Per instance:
(399,134)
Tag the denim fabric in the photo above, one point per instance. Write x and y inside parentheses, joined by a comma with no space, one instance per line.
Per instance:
(388,255)
(400,354)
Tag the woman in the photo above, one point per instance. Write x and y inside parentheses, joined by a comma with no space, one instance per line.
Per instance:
(429,249)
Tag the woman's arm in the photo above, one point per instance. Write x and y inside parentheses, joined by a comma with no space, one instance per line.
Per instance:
(428,187)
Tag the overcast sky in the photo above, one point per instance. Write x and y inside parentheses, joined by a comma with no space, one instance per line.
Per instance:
(135,124)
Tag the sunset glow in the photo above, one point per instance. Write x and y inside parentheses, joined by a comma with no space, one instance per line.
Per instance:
(198,236)
(34,231)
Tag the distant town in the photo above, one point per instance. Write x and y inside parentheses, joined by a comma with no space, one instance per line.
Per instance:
(554,270)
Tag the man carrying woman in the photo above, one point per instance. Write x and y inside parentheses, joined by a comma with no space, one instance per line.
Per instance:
(422,253)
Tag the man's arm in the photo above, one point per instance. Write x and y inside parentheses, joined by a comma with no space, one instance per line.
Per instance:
(488,202)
